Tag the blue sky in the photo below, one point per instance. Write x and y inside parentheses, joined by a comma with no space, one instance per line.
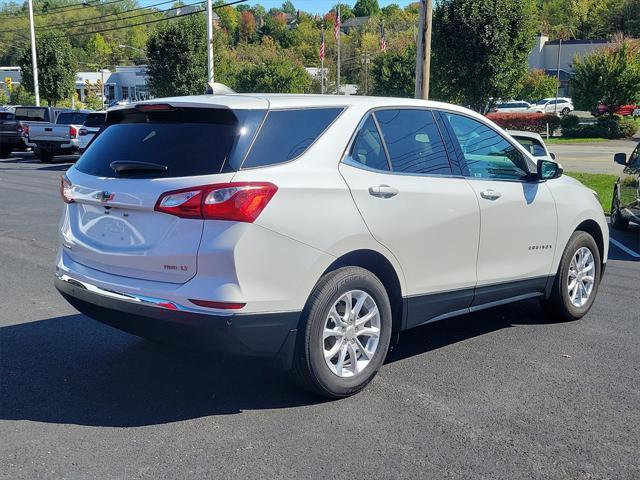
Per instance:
(313,6)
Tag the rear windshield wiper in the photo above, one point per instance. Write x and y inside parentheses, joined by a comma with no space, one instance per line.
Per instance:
(122,166)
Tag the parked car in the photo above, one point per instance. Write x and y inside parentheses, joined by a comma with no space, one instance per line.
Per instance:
(32,115)
(533,143)
(622,110)
(61,138)
(511,107)
(625,206)
(311,229)
(90,128)
(10,137)
(561,106)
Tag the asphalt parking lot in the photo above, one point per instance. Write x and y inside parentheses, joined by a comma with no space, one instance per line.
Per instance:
(499,394)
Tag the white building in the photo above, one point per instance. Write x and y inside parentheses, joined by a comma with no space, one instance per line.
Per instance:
(126,83)
(544,56)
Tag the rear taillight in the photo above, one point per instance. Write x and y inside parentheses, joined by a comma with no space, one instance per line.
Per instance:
(25,130)
(66,190)
(73,132)
(238,202)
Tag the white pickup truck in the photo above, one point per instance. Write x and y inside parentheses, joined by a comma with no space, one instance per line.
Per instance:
(61,138)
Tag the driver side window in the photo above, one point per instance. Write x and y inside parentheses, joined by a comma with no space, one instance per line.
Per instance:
(488,155)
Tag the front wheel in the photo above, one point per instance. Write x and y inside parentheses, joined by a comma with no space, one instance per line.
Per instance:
(617,220)
(346,334)
(577,280)
(566,111)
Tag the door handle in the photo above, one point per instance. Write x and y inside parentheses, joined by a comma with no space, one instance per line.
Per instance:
(490,194)
(383,191)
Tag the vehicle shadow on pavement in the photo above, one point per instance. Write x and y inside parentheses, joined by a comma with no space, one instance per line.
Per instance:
(73,370)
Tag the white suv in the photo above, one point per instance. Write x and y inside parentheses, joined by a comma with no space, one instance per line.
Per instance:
(561,106)
(311,229)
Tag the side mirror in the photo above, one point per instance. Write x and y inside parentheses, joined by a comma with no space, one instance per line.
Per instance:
(620,158)
(548,170)
(552,155)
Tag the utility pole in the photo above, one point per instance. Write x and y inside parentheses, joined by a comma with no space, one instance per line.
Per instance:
(337,36)
(423,62)
(365,59)
(209,42)
(555,107)
(34,60)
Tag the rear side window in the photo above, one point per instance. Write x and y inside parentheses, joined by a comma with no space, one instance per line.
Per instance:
(413,140)
(187,141)
(287,134)
(34,114)
(71,118)
(95,120)
(368,149)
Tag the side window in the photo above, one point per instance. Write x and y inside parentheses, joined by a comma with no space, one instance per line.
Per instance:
(368,149)
(286,134)
(413,140)
(487,153)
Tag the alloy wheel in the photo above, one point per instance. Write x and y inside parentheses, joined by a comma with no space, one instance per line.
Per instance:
(581,277)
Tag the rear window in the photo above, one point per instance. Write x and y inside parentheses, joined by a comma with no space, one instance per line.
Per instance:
(71,118)
(534,147)
(287,134)
(95,120)
(32,114)
(187,141)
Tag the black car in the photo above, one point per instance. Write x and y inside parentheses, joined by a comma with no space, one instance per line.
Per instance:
(625,206)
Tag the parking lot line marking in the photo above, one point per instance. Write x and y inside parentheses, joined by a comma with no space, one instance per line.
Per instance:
(625,249)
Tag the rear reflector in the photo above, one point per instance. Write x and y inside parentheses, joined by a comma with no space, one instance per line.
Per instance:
(222,305)
(66,190)
(238,202)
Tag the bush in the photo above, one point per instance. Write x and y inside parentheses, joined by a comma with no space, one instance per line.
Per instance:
(569,122)
(605,127)
(530,122)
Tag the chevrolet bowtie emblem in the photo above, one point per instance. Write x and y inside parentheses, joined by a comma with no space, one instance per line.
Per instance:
(104,196)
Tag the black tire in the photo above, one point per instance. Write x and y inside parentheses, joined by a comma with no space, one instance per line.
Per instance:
(559,306)
(566,111)
(309,367)
(46,157)
(5,151)
(617,220)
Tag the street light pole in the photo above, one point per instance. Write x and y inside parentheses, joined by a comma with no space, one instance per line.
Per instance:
(423,61)
(209,42)
(34,60)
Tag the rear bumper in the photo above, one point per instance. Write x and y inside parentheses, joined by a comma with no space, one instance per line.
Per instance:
(267,334)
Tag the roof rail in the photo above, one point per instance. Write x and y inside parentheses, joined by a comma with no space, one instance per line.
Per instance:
(215,88)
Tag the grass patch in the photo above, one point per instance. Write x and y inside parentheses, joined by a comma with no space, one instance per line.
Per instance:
(562,140)
(601,183)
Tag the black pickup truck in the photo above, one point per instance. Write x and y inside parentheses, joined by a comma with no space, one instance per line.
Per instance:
(10,134)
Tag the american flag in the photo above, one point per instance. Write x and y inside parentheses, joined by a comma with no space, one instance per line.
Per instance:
(322,46)
(336,27)
(383,40)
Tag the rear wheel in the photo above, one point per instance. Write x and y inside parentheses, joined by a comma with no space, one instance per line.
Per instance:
(5,151)
(346,334)
(617,220)
(46,157)
(576,283)
(566,111)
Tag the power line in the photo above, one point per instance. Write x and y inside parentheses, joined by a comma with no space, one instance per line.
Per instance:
(84,20)
(149,21)
(66,8)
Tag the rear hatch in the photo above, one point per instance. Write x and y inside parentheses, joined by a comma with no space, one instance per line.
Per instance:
(112,224)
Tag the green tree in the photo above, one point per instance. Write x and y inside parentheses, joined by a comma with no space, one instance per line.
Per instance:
(277,75)
(366,8)
(20,96)
(4,98)
(98,51)
(480,49)
(346,12)
(393,73)
(178,58)
(610,77)
(536,85)
(56,68)
(288,7)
